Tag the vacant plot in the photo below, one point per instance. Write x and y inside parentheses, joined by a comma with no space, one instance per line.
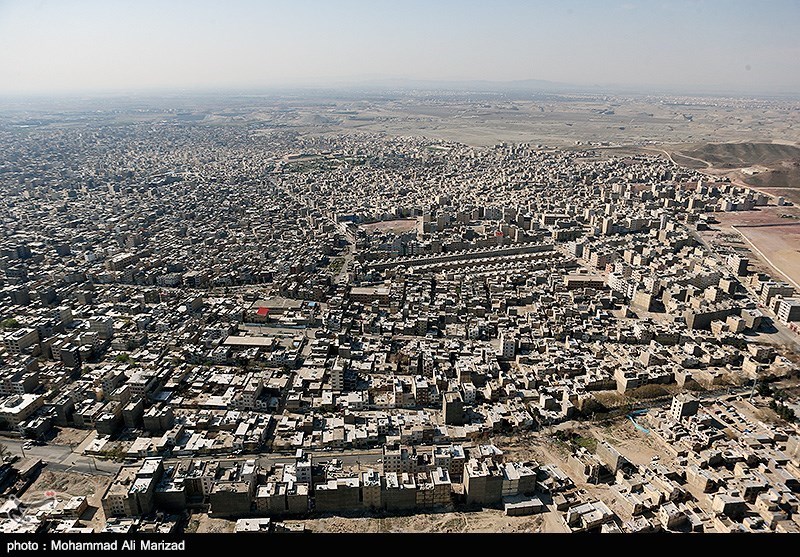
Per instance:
(636,446)
(70,436)
(203,524)
(778,245)
(487,520)
(773,240)
(65,485)
(68,484)
(398,226)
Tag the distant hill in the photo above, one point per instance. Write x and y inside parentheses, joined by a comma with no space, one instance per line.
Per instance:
(787,176)
(739,155)
(484,86)
(778,166)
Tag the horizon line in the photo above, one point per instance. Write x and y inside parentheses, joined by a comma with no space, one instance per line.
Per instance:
(402,84)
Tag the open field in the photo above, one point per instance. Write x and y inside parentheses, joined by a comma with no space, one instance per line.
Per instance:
(779,244)
(562,120)
(70,436)
(475,118)
(203,524)
(397,226)
(778,239)
(780,180)
(485,521)
(70,484)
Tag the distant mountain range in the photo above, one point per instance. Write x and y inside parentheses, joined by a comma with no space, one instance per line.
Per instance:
(484,86)
(521,86)
(380,86)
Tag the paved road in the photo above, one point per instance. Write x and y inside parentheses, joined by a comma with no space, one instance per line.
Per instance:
(341,276)
(87,465)
(61,457)
(48,453)
(365,457)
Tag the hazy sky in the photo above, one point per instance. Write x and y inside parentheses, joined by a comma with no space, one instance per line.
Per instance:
(83,45)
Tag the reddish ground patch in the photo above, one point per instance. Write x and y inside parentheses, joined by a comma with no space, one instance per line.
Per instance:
(778,239)
(398,226)
(779,246)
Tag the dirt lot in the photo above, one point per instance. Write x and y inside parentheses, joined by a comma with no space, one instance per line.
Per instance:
(488,520)
(70,436)
(638,447)
(202,524)
(398,226)
(69,484)
(780,246)
(736,155)
(777,238)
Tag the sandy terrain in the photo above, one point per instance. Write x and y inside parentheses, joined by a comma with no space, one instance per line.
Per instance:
(69,484)
(779,246)
(70,436)
(773,168)
(778,239)
(482,119)
(487,520)
(206,525)
(398,226)
(741,155)
(562,120)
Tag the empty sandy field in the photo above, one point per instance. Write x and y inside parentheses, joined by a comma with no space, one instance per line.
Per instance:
(777,239)
(486,520)
(779,246)
(397,226)
(64,485)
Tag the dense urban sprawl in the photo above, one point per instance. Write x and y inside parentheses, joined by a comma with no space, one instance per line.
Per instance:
(259,324)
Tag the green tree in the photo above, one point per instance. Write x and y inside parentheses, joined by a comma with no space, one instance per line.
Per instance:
(10,323)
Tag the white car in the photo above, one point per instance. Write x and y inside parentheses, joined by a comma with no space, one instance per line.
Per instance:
(28,445)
